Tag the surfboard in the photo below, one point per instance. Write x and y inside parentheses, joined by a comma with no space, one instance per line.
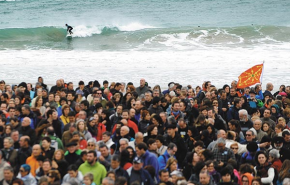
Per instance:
(68,35)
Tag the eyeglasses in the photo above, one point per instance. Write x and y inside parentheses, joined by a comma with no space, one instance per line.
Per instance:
(98,93)
(234,148)
(91,145)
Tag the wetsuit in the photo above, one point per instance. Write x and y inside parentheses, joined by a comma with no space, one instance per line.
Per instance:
(69,28)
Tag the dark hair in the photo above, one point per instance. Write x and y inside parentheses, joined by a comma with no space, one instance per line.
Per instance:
(151,141)
(104,146)
(150,128)
(92,152)
(48,160)
(151,170)
(84,152)
(115,157)
(107,133)
(141,146)
(162,171)
(18,181)
(85,103)
(72,167)
(120,180)
(47,139)
(199,143)
(160,138)
(155,100)
(257,154)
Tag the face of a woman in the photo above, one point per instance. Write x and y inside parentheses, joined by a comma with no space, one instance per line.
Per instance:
(54,115)
(210,167)
(227,89)
(245,180)
(273,110)
(40,102)
(81,126)
(154,131)
(189,133)
(7,143)
(209,130)
(129,95)
(196,157)
(204,112)
(173,166)
(22,172)
(147,117)
(96,117)
(154,121)
(8,130)
(130,152)
(262,159)
(66,111)
(265,127)
(17,101)
(57,156)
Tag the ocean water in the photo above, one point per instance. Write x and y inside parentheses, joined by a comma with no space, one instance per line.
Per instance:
(185,41)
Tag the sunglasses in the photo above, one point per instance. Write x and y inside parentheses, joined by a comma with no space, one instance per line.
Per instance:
(91,145)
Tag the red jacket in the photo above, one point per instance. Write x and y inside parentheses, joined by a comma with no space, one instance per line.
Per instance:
(101,130)
(131,124)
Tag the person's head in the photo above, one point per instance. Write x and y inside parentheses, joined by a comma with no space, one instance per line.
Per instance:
(8,173)
(265,126)
(91,157)
(171,164)
(261,158)
(20,182)
(124,131)
(139,137)
(36,150)
(235,147)
(58,155)
(111,175)
(24,141)
(124,143)
(137,163)
(159,141)
(243,115)
(25,122)
(115,161)
(171,149)
(273,155)
(47,165)
(141,149)
(163,175)
(104,150)
(72,170)
(8,142)
(71,147)
(24,170)
(46,141)
(221,144)
(171,129)
(256,181)
(204,177)
(267,113)
(257,124)
(108,181)
(250,136)
(226,174)
(106,136)
(88,179)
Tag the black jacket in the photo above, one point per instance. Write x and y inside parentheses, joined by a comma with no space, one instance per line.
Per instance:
(28,131)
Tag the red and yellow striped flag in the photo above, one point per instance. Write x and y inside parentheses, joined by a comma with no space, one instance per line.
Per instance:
(250,76)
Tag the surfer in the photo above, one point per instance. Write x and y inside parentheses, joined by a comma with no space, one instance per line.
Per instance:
(69,28)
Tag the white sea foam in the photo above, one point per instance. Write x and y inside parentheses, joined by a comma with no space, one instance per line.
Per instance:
(220,65)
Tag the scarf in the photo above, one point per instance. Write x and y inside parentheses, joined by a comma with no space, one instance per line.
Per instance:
(262,170)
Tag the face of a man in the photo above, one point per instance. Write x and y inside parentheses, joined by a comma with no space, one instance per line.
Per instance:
(123,145)
(172,152)
(221,147)
(115,164)
(104,151)
(176,107)
(25,122)
(36,150)
(139,152)
(119,109)
(287,138)
(142,82)
(249,136)
(8,175)
(164,176)
(257,125)
(125,115)
(267,113)
(204,179)
(73,174)
(91,158)
(232,92)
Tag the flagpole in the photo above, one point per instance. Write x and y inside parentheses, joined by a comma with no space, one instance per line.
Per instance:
(262,72)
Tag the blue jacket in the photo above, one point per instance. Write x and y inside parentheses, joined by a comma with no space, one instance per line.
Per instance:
(145,177)
(162,160)
(150,159)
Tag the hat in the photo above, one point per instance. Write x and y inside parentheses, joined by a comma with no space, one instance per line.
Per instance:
(285,132)
(71,144)
(92,118)
(173,126)
(283,94)
(278,140)
(252,91)
(137,160)
(252,146)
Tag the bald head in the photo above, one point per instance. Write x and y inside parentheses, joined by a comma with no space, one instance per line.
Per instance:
(36,150)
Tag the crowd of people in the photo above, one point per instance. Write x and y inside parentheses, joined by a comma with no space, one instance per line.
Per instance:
(121,133)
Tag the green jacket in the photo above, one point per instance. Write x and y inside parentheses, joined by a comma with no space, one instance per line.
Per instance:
(98,170)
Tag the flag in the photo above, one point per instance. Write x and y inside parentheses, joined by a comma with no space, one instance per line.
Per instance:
(250,76)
